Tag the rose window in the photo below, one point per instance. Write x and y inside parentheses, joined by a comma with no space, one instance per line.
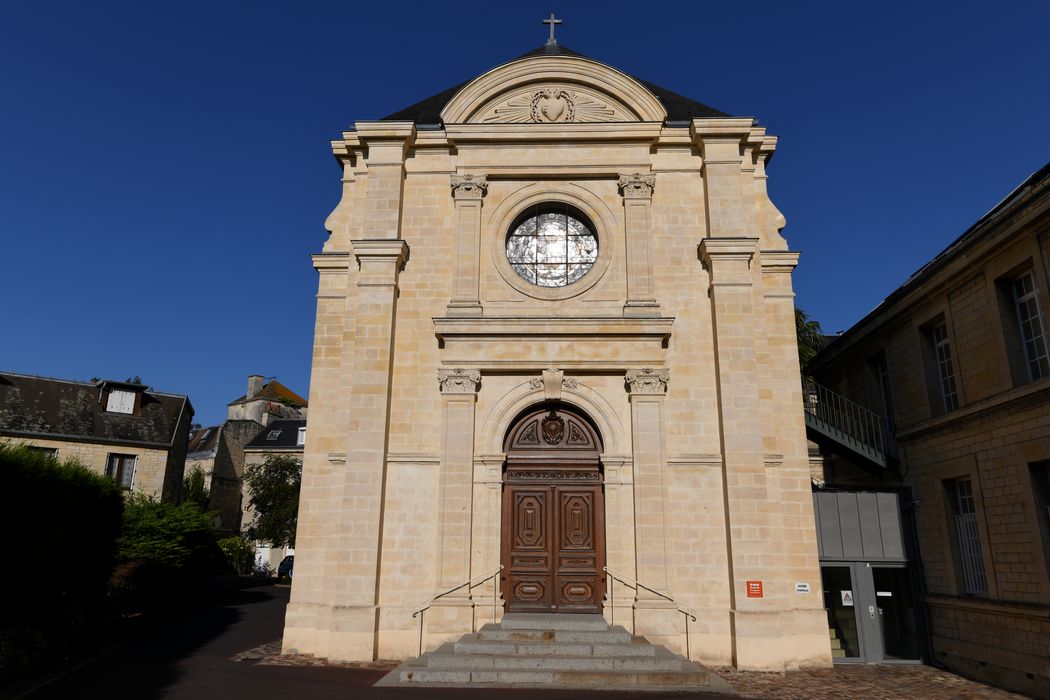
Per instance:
(552,246)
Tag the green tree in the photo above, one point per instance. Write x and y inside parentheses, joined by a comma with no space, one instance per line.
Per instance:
(810,340)
(274,496)
(194,491)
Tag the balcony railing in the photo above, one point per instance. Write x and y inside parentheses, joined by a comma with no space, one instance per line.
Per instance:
(850,425)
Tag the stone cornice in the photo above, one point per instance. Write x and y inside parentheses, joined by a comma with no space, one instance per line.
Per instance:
(331,261)
(647,132)
(779,260)
(548,326)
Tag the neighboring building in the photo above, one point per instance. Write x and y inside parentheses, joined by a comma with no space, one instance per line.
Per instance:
(128,432)
(555,332)
(219,450)
(957,360)
(282,437)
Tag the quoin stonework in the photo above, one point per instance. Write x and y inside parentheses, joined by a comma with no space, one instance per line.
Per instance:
(555,333)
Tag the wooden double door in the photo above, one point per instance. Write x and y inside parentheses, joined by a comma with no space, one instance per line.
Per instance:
(553,528)
(554,544)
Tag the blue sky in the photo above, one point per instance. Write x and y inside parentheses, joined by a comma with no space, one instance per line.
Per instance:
(165,168)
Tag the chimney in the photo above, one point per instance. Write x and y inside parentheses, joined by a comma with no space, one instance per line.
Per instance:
(255,385)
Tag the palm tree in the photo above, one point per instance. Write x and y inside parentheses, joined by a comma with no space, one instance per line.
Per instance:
(810,341)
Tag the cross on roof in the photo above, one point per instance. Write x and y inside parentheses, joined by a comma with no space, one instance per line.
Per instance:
(552,21)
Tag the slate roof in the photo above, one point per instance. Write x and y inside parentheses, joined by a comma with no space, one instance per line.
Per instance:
(288,436)
(273,390)
(679,108)
(42,406)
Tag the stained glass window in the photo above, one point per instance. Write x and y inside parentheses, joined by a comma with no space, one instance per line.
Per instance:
(552,248)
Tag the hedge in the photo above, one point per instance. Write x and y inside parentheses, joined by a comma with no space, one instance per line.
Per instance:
(60,524)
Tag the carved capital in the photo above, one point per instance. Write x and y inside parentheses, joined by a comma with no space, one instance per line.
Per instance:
(459,381)
(637,186)
(648,380)
(468,187)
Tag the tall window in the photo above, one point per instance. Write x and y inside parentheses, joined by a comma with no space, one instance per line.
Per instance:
(1040,474)
(968,537)
(121,468)
(942,353)
(1030,323)
(300,439)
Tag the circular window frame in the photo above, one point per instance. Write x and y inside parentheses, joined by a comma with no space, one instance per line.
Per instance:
(530,197)
(560,209)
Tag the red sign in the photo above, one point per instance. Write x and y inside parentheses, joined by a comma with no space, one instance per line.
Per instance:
(754,589)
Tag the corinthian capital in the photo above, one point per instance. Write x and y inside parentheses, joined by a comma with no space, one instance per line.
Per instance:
(458,381)
(637,186)
(648,380)
(468,186)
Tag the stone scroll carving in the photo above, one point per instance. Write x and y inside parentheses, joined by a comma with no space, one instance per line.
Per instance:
(648,380)
(552,382)
(470,187)
(637,186)
(459,381)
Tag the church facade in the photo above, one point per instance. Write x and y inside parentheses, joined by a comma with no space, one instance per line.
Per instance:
(555,361)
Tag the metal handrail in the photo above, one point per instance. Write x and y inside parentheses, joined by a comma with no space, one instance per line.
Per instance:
(420,608)
(688,612)
(857,424)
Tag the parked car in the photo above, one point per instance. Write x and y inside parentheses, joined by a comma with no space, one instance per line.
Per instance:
(285,567)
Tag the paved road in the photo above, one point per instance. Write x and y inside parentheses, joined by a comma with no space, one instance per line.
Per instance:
(187,655)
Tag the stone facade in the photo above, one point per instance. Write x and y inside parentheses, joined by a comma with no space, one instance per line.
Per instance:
(679,345)
(993,622)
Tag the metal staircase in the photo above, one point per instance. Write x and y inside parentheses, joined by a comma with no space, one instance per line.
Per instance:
(847,428)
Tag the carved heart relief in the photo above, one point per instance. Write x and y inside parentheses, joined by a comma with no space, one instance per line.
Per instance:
(552,105)
(552,108)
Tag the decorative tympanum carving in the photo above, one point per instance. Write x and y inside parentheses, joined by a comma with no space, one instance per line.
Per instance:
(637,185)
(553,104)
(468,186)
(530,435)
(458,381)
(576,435)
(648,380)
(553,428)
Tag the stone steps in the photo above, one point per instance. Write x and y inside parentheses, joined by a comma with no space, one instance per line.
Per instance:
(537,650)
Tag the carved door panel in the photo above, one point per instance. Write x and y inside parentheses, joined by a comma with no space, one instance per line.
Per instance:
(554,547)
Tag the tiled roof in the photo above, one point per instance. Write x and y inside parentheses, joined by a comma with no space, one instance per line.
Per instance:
(273,390)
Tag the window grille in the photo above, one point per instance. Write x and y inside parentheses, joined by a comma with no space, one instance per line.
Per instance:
(945,368)
(975,582)
(1030,320)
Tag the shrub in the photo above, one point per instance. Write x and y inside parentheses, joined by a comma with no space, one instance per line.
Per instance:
(61,522)
(175,536)
(240,554)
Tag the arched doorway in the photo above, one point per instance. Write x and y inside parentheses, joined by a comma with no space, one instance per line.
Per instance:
(553,529)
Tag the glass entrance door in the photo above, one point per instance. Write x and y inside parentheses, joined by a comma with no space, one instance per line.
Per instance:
(871,612)
(840,604)
(897,613)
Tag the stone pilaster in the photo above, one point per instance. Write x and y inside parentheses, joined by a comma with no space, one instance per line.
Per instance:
(654,615)
(727,190)
(453,613)
(468,192)
(637,190)
(750,556)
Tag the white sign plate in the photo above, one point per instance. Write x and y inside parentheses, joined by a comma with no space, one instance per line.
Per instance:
(801,587)
(847,598)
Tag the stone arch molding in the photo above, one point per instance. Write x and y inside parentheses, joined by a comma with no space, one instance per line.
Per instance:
(574,393)
(553,89)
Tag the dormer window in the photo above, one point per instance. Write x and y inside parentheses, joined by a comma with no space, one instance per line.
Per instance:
(273,434)
(120,401)
(301,439)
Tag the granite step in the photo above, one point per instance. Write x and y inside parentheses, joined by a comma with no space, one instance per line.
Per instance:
(470,645)
(593,679)
(612,635)
(537,621)
(445,657)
